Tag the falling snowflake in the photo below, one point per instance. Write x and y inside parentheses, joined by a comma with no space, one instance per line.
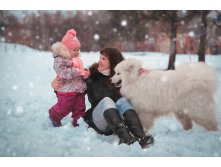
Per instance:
(15,87)
(182,22)
(90,13)
(31,84)
(40,46)
(123,23)
(191,34)
(9,111)
(210,63)
(37,14)
(3,28)
(10,34)
(216,154)
(115,144)
(96,37)
(182,14)
(14,154)
(2,39)
(19,109)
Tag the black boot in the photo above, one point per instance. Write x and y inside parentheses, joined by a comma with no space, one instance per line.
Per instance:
(116,125)
(146,141)
(133,123)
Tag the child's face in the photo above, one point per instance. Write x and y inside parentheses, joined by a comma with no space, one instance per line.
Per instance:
(75,52)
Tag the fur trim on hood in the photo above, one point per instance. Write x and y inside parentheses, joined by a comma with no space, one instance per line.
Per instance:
(60,50)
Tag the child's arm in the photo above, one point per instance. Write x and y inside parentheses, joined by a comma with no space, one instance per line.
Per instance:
(64,71)
(86,74)
(77,62)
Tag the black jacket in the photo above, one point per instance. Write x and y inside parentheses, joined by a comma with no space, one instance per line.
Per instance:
(98,87)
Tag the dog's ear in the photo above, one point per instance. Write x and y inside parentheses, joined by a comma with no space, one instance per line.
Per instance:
(130,68)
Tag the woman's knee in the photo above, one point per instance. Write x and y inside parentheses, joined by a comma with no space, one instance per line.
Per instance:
(107,99)
(107,102)
(103,105)
(123,105)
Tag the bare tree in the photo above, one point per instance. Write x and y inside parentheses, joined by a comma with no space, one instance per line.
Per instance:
(167,17)
(173,32)
(203,29)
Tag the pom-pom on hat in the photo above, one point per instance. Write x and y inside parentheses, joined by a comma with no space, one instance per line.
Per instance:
(70,40)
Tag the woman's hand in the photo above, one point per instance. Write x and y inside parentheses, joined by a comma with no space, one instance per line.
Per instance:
(143,71)
(57,83)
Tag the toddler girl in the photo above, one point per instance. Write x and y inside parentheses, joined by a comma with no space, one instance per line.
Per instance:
(70,70)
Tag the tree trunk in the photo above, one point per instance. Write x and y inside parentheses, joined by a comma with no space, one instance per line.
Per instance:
(172,57)
(203,29)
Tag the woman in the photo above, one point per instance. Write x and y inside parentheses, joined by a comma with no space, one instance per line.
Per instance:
(110,112)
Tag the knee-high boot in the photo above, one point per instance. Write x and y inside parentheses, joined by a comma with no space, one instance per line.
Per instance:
(134,125)
(116,125)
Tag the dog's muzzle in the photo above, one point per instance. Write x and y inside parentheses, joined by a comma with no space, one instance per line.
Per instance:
(118,84)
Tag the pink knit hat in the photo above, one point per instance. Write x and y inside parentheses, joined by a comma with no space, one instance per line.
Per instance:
(70,40)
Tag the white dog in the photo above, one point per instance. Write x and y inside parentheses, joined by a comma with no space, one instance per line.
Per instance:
(188,92)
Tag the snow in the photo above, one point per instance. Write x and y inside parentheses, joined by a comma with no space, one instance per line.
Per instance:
(124,23)
(96,37)
(26,96)
(191,34)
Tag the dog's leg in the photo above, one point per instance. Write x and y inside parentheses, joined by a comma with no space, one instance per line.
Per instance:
(203,112)
(207,120)
(147,120)
(209,123)
(185,120)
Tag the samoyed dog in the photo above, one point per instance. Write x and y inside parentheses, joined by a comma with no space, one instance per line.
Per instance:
(187,92)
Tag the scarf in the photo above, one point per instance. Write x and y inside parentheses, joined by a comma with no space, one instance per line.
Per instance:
(106,72)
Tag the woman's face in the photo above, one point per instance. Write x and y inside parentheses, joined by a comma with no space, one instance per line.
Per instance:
(103,63)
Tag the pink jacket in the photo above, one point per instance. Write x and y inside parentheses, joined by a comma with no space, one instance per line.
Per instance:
(63,66)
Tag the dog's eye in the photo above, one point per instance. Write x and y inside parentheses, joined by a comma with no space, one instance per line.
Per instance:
(118,73)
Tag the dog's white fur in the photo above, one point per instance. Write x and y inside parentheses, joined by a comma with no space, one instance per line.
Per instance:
(187,92)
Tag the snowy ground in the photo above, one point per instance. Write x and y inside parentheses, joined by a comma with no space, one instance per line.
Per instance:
(26,131)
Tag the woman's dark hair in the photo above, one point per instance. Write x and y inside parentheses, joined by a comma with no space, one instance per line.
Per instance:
(114,56)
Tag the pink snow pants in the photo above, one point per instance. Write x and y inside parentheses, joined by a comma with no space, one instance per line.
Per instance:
(67,103)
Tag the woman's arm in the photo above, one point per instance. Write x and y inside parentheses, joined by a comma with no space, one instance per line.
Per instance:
(143,71)
(57,83)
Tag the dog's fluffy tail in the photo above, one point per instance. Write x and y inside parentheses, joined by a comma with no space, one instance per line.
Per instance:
(202,74)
